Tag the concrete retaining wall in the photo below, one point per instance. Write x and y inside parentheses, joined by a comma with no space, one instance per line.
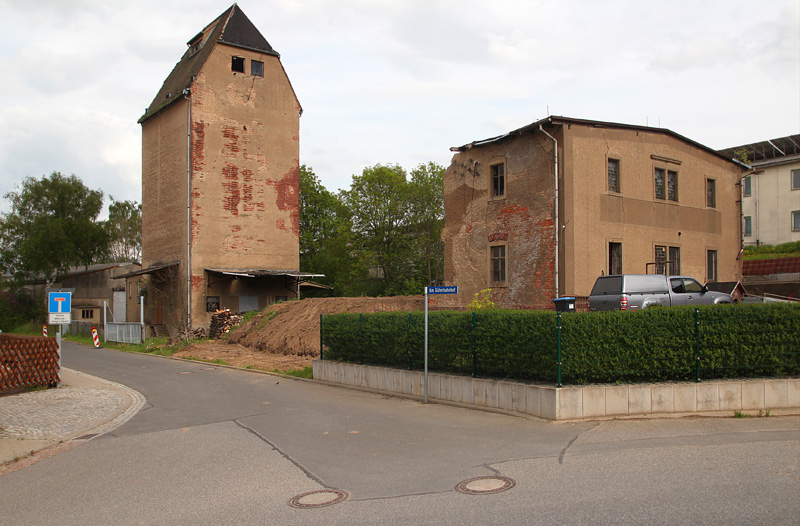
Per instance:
(570,403)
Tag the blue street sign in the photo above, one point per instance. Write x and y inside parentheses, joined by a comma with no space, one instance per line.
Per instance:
(443,290)
(59,302)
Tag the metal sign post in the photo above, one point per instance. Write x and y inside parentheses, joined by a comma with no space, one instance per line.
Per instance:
(432,290)
(59,306)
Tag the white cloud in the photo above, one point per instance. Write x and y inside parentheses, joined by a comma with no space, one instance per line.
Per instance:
(398,81)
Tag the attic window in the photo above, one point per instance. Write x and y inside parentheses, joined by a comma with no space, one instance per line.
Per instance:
(195,46)
(256,68)
(237,64)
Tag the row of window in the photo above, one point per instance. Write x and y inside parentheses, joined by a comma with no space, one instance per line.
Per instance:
(665,183)
(666,260)
(256,66)
(747,223)
(794,183)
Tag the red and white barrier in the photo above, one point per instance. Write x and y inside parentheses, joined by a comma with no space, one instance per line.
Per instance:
(95,338)
(44,331)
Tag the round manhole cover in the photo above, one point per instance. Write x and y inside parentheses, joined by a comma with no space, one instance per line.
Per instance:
(485,485)
(319,498)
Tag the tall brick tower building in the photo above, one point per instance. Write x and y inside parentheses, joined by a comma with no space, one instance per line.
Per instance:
(220,175)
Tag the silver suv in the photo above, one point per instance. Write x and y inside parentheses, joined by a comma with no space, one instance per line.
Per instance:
(639,291)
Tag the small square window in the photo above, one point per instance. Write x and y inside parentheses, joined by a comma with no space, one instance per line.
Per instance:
(796,221)
(747,186)
(613,175)
(256,68)
(796,179)
(747,226)
(498,180)
(87,314)
(498,261)
(237,64)
(711,193)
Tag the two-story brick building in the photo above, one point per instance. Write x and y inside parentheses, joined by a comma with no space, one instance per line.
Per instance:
(220,176)
(541,211)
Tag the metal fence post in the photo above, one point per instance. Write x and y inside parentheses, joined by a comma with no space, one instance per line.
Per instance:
(410,351)
(558,349)
(697,343)
(361,338)
(472,343)
(321,337)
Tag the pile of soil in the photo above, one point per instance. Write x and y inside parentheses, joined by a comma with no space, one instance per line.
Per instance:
(286,335)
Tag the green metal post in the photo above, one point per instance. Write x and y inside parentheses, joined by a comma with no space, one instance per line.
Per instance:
(558,349)
(472,342)
(361,338)
(321,339)
(697,342)
(410,351)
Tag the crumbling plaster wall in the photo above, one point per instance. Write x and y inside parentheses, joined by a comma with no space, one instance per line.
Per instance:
(245,171)
(521,220)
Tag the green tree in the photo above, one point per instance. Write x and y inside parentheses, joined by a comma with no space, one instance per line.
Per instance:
(124,228)
(427,220)
(52,226)
(379,203)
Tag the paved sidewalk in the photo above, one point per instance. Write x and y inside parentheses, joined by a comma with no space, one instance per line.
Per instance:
(82,408)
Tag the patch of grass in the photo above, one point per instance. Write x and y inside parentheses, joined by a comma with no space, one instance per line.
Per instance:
(267,318)
(305,372)
(218,361)
(740,414)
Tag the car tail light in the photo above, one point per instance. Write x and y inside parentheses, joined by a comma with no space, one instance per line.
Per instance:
(623,303)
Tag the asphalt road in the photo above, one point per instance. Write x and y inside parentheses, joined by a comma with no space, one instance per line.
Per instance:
(219,446)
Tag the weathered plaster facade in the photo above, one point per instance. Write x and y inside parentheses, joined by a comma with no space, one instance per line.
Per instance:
(593,220)
(220,176)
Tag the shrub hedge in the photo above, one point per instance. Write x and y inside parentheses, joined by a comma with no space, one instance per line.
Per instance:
(658,344)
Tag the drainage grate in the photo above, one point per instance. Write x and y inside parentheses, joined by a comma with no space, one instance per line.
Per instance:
(319,498)
(485,485)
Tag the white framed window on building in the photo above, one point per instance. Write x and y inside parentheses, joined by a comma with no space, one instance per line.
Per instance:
(747,226)
(796,221)
(747,186)
(795,176)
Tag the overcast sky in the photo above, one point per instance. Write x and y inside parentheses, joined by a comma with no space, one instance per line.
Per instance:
(396,81)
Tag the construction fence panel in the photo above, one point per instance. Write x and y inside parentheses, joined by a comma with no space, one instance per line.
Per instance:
(124,332)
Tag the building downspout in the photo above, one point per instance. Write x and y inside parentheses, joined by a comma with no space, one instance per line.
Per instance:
(555,203)
(186,94)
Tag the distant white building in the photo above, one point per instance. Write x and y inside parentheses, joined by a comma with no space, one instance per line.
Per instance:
(771,191)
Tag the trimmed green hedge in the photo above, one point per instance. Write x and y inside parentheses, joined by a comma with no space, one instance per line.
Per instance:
(658,344)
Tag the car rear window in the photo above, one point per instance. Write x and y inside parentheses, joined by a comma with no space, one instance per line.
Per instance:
(607,285)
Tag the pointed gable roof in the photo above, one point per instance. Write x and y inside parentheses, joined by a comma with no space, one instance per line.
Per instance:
(232,28)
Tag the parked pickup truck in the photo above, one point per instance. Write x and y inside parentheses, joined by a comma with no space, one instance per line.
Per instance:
(639,291)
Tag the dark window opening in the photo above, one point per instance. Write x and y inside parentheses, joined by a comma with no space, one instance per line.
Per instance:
(212,303)
(672,186)
(498,264)
(237,64)
(747,226)
(256,68)
(660,176)
(498,180)
(613,175)
(711,193)
(711,266)
(87,314)
(615,258)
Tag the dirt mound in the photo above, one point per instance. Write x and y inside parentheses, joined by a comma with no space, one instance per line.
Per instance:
(292,328)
